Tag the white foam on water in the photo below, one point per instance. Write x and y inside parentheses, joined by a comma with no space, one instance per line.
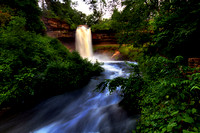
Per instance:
(93,111)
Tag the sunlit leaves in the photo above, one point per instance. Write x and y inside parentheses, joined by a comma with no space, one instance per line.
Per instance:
(188,119)
(174,113)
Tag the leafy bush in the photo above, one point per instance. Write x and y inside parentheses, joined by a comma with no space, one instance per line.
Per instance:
(167,32)
(105,24)
(28,10)
(131,88)
(160,91)
(33,66)
(130,52)
(4,18)
(169,103)
(176,29)
(64,11)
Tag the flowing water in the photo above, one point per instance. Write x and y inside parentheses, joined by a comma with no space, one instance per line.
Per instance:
(83,111)
(83,42)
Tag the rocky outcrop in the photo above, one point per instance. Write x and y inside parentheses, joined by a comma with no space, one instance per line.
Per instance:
(60,29)
(57,28)
(104,37)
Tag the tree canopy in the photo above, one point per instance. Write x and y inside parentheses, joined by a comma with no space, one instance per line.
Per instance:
(29,10)
(169,28)
(64,10)
(163,89)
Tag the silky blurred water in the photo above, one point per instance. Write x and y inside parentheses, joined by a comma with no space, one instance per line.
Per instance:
(83,41)
(82,111)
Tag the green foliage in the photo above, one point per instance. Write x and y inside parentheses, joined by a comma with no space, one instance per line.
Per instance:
(169,28)
(165,95)
(4,18)
(29,10)
(130,52)
(158,89)
(130,89)
(67,75)
(105,24)
(176,29)
(36,67)
(97,6)
(158,67)
(6,13)
(65,12)
(168,104)
(94,19)
(130,24)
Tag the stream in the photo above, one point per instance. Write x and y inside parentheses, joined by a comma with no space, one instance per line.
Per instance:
(82,111)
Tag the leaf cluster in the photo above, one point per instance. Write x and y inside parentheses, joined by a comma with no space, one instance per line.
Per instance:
(169,103)
(65,12)
(33,67)
(105,24)
(175,29)
(129,87)
(28,10)
(158,89)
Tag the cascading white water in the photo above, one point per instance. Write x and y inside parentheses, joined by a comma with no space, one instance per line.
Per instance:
(82,111)
(83,42)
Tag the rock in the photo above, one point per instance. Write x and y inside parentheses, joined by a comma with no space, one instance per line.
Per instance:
(57,28)
(61,30)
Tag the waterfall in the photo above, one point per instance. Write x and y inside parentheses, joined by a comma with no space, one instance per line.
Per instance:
(83,41)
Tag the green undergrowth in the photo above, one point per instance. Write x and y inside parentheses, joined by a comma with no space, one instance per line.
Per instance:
(106,47)
(34,67)
(161,91)
(127,52)
(105,24)
(162,88)
(170,100)
(130,53)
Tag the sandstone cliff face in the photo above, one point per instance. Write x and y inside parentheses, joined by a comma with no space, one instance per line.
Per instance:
(57,28)
(61,30)
(104,37)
